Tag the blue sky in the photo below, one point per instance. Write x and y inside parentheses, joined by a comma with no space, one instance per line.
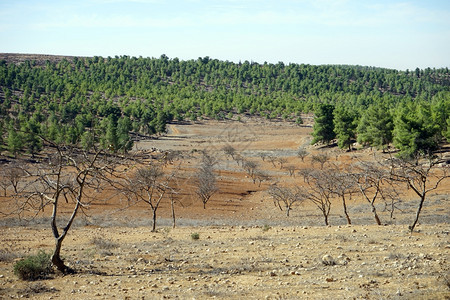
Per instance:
(388,33)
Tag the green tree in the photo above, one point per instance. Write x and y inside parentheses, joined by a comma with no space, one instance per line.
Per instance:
(447,132)
(375,127)
(414,130)
(14,140)
(124,126)
(345,122)
(32,140)
(1,134)
(87,140)
(323,129)
(110,140)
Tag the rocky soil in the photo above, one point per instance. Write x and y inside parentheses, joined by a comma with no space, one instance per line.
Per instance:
(236,262)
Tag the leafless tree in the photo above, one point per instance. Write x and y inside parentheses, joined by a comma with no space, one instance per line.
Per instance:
(229,151)
(272,159)
(148,184)
(421,174)
(302,153)
(343,186)
(291,169)
(263,155)
(239,159)
(260,176)
(69,175)
(208,160)
(319,191)
(286,197)
(11,175)
(305,173)
(321,159)
(172,156)
(281,161)
(4,183)
(205,180)
(373,182)
(250,167)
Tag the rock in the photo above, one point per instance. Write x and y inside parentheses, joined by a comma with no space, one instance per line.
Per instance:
(328,260)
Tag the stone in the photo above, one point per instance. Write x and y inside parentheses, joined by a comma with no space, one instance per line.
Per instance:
(328,260)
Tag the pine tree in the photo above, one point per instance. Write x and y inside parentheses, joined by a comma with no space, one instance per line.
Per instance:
(323,124)
(1,135)
(414,131)
(87,140)
(31,137)
(14,140)
(375,127)
(345,122)
(111,140)
(124,126)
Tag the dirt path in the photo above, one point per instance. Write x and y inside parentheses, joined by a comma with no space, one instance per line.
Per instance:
(173,130)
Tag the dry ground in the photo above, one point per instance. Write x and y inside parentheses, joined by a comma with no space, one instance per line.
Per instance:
(247,247)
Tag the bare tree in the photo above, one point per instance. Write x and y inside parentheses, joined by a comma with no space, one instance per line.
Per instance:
(286,197)
(4,184)
(148,184)
(239,159)
(321,159)
(421,175)
(319,191)
(205,181)
(291,170)
(302,153)
(282,161)
(305,173)
(11,175)
(208,160)
(229,151)
(373,182)
(343,186)
(272,159)
(69,175)
(260,176)
(263,155)
(250,167)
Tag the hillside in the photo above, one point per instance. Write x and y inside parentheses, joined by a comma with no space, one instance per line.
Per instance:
(71,99)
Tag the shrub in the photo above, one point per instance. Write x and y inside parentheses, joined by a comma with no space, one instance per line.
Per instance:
(195,236)
(104,243)
(266,228)
(33,267)
(6,255)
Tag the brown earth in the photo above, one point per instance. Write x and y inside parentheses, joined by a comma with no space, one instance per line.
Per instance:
(247,248)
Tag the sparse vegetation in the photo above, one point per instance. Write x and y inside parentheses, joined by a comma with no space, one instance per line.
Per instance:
(7,255)
(266,228)
(33,267)
(104,244)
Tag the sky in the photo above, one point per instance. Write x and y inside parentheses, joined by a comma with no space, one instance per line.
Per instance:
(397,34)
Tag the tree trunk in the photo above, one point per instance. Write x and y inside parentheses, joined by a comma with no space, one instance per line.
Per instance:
(154,220)
(326,218)
(345,211)
(288,209)
(173,213)
(419,209)
(56,258)
(377,219)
